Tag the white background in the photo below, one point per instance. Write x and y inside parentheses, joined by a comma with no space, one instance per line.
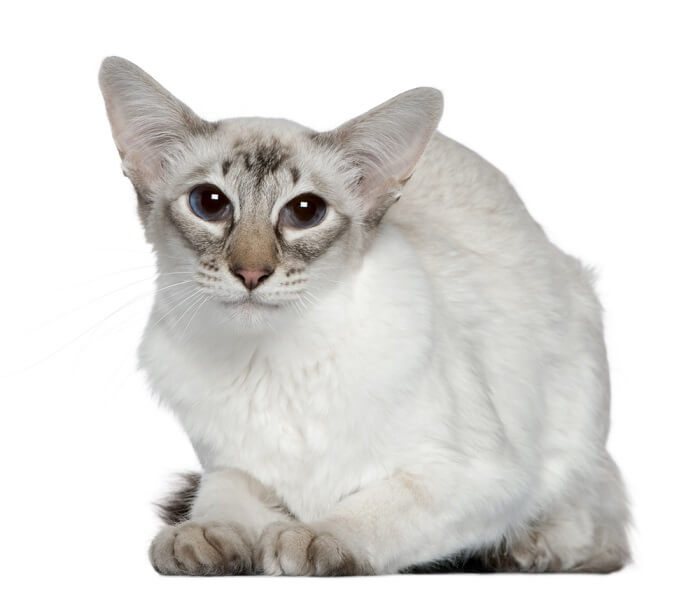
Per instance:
(590,109)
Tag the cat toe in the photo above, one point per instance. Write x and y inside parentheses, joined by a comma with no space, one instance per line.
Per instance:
(201,549)
(298,550)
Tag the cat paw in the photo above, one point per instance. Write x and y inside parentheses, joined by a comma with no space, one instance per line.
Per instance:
(201,549)
(533,554)
(298,550)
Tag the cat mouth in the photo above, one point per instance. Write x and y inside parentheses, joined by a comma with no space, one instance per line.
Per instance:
(249,302)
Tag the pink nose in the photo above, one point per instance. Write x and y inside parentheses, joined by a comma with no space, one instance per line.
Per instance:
(252,277)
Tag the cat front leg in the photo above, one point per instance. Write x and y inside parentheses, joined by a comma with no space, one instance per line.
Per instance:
(406,519)
(227,515)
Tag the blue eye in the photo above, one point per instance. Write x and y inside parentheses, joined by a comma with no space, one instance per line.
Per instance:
(304,211)
(209,203)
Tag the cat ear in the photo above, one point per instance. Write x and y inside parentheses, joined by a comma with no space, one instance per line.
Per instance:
(150,126)
(385,143)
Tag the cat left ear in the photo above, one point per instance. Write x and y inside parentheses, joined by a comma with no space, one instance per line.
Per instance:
(150,126)
(384,144)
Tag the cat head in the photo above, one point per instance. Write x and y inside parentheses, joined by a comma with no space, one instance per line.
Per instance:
(259,215)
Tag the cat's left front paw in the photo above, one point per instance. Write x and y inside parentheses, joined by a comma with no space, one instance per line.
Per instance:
(299,550)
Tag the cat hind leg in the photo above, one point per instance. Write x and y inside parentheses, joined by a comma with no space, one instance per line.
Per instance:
(585,532)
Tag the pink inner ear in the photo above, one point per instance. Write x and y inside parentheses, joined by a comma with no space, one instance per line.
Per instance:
(387,142)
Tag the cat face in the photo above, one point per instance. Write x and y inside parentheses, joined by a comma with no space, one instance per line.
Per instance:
(261,216)
(260,213)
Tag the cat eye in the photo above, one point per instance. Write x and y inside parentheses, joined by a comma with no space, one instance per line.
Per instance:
(209,203)
(304,211)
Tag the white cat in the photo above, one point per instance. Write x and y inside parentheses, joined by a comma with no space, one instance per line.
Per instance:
(369,387)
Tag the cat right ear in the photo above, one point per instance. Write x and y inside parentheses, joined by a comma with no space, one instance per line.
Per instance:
(150,126)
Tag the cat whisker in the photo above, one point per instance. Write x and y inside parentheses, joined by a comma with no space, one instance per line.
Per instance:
(114,274)
(201,303)
(311,295)
(94,300)
(90,329)
(53,320)
(193,299)
(178,304)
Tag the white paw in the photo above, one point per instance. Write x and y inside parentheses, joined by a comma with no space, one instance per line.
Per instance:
(298,550)
(201,549)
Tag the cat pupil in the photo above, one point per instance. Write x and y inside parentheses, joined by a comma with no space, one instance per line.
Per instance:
(303,212)
(212,203)
(307,209)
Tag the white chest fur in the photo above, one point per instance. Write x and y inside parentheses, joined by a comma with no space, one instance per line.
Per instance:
(315,409)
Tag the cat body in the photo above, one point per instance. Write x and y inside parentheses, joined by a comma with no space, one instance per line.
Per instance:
(393,386)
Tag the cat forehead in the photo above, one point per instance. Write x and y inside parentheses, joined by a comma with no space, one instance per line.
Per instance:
(259,156)
(259,161)
(258,148)
(263,143)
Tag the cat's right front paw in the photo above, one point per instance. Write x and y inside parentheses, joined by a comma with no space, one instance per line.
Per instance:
(201,549)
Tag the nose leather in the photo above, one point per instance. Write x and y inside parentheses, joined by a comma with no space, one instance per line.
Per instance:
(252,277)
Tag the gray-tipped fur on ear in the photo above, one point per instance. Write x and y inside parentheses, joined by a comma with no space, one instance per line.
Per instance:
(149,124)
(385,143)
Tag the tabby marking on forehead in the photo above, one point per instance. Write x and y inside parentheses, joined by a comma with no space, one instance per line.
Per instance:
(264,160)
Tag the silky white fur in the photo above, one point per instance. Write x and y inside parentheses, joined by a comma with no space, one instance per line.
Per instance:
(447,392)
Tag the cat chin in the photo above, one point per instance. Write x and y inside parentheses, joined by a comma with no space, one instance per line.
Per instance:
(250,314)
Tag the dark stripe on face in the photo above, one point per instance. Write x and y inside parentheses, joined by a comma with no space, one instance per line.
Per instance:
(225,165)
(198,172)
(295,174)
(316,244)
(264,160)
(195,237)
